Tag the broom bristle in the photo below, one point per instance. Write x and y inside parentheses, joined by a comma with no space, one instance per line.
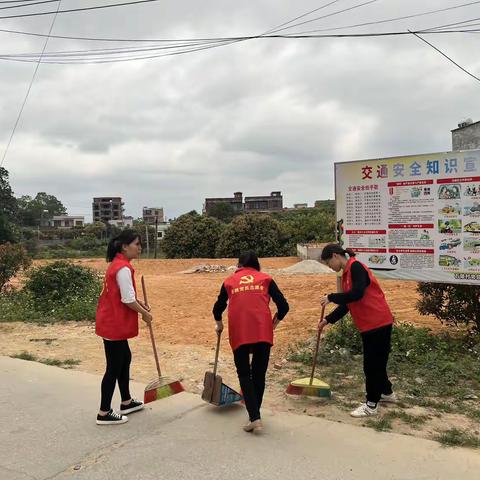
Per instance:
(303,387)
(163,391)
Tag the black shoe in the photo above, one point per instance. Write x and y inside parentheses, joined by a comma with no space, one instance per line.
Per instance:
(111,418)
(133,406)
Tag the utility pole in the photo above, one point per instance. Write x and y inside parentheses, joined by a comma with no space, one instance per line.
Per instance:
(148,242)
(156,235)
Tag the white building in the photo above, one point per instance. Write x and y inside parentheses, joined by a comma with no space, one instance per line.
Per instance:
(162,228)
(125,222)
(66,221)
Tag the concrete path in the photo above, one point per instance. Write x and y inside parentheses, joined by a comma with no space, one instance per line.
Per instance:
(48,431)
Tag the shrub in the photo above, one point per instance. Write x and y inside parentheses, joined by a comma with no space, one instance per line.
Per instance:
(451,304)
(63,284)
(13,258)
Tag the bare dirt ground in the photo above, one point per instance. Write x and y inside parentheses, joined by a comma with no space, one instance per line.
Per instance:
(181,306)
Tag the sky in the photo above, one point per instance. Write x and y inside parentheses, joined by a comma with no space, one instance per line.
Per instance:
(255,116)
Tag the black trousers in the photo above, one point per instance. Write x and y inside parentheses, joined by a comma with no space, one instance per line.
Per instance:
(376,348)
(252,375)
(119,357)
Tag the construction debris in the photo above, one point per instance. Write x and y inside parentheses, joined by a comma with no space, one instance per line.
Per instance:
(207,268)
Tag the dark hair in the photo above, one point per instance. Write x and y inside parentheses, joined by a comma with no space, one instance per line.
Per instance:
(331,248)
(115,245)
(249,259)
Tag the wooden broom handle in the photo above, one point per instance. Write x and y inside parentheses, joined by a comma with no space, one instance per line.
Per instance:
(316,348)
(150,329)
(219,334)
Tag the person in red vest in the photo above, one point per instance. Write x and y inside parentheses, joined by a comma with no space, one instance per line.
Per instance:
(365,300)
(116,322)
(250,328)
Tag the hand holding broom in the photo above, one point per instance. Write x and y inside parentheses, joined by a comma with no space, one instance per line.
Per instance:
(161,387)
(146,316)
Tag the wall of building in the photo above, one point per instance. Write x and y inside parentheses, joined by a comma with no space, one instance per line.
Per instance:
(467,137)
(310,251)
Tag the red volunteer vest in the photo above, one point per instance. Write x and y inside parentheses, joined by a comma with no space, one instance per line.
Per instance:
(114,320)
(372,310)
(249,316)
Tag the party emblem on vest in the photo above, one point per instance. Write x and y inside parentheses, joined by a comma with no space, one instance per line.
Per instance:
(246,279)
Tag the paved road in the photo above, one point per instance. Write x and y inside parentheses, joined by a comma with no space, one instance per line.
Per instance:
(48,431)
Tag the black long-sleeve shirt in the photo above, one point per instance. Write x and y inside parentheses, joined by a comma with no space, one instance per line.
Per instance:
(273,291)
(360,282)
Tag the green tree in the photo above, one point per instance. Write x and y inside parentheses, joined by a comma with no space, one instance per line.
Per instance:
(32,211)
(97,229)
(192,236)
(305,226)
(222,211)
(13,258)
(8,203)
(8,209)
(260,233)
(142,229)
(7,230)
(452,304)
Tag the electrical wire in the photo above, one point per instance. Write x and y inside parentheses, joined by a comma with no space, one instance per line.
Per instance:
(354,7)
(394,19)
(465,23)
(446,56)
(71,10)
(28,91)
(28,4)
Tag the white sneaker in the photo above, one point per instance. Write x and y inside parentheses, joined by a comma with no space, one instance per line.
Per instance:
(392,398)
(364,411)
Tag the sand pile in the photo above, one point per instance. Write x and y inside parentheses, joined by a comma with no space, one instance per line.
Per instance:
(305,267)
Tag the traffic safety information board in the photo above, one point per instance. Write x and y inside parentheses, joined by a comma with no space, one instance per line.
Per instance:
(414,217)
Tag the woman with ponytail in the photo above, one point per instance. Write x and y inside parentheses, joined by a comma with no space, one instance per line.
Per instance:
(116,322)
(364,299)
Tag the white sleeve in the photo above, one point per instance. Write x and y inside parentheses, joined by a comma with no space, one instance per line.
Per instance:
(125,283)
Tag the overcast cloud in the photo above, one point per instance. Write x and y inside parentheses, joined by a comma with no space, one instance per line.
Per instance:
(256,116)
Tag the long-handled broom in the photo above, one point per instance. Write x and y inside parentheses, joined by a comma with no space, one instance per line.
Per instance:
(214,390)
(311,386)
(161,387)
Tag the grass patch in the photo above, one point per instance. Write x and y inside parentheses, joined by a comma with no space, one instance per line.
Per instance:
(384,422)
(435,371)
(19,306)
(47,341)
(423,365)
(455,437)
(58,291)
(67,364)
(25,356)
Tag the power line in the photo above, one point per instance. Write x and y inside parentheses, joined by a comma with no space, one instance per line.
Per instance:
(446,56)
(157,40)
(465,23)
(394,19)
(29,89)
(329,15)
(136,2)
(274,29)
(132,54)
(27,4)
